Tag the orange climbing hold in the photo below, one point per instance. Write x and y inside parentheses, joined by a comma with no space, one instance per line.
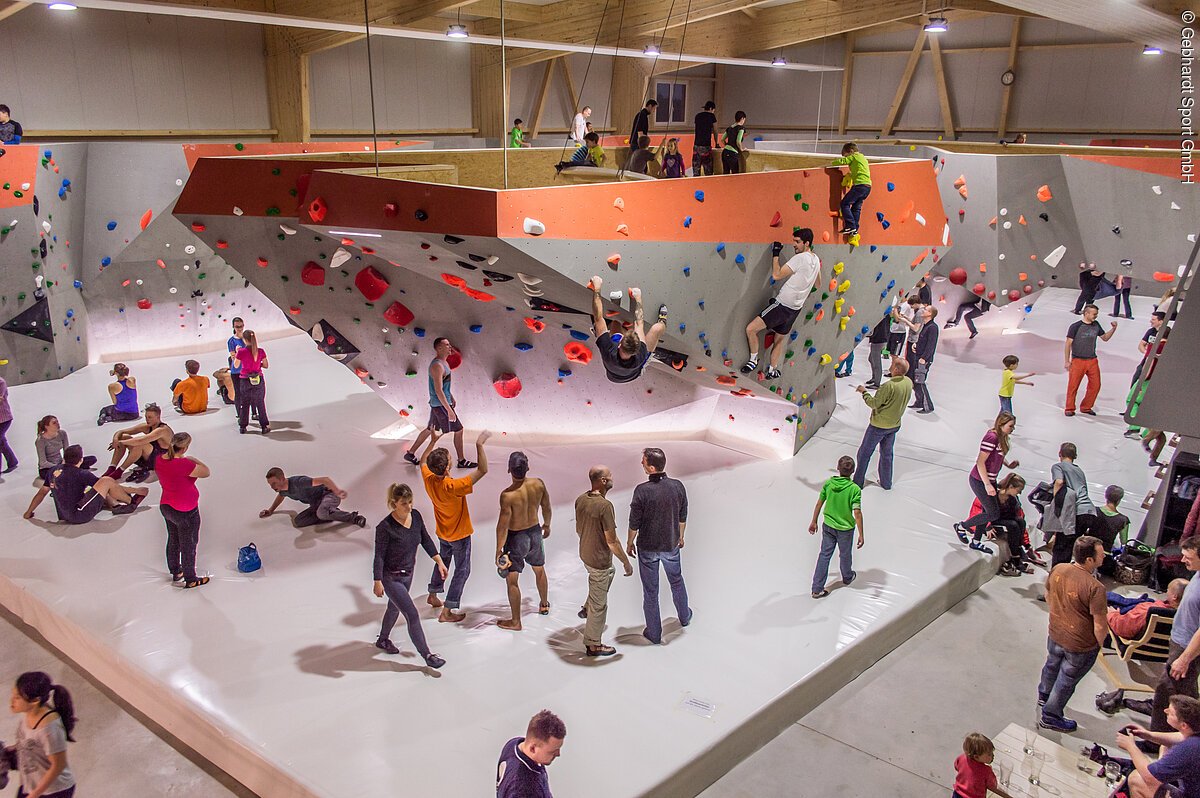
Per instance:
(478,296)
(577,352)
(962,181)
(820,315)
(1021,220)
(146,217)
(1164,277)
(983,268)
(454,280)
(534,324)
(825,236)
(992,223)
(1023,276)
(613,260)
(963,192)
(725,379)
(917,261)
(1044,194)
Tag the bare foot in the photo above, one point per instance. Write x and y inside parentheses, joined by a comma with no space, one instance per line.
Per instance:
(433,600)
(512,626)
(448,615)
(597,282)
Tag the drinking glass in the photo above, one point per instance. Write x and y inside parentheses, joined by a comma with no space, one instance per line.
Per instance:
(1112,773)
(1005,775)
(1030,737)
(1035,770)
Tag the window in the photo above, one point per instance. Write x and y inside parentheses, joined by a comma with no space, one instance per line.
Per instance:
(672,98)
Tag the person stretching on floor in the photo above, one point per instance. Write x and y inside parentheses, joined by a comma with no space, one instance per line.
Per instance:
(140,444)
(519,504)
(797,278)
(397,537)
(321,495)
(190,396)
(443,409)
(624,356)
(80,495)
(124,395)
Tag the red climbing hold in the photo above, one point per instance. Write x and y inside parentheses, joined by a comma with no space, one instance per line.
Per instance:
(1014,295)
(979,288)
(398,314)
(197,227)
(391,209)
(454,359)
(312,274)
(146,217)
(776,220)
(958,275)
(991,294)
(507,385)
(725,379)
(1164,277)
(478,296)
(143,304)
(295,311)
(454,280)
(371,283)
(317,209)
(534,324)
(222,245)
(262,263)
(577,352)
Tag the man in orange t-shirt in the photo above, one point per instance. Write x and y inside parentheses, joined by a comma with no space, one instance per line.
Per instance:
(191,395)
(454,530)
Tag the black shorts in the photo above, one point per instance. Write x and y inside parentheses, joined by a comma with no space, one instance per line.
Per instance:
(779,318)
(439,419)
(524,547)
(88,508)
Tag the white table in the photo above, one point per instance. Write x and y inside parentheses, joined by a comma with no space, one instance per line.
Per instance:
(1060,776)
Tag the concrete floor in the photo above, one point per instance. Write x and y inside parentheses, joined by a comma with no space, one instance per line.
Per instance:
(894,731)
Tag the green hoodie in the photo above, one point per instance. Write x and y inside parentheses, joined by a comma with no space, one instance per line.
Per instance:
(842,497)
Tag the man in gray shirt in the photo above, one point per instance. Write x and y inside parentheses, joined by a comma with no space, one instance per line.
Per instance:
(1080,359)
(1066,474)
(1183,657)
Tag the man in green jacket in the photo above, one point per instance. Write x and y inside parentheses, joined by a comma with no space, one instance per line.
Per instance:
(887,406)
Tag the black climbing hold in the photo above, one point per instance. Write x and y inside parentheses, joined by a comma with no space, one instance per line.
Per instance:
(37,206)
(332,342)
(1045,217)
(466,265)
(552,307)
(476,258)
(497,276)
(42,248)
(421,215)
(449,239)
(33,322)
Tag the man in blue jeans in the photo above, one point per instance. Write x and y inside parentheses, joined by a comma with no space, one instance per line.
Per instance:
(1078,627)
(842,500)
(887,404)
(657,518)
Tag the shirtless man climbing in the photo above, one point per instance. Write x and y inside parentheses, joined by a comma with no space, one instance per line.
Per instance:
(140,444)
(519,536)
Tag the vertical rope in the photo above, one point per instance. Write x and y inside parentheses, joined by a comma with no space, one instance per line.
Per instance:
(371,86)
(586,71)
(504,95)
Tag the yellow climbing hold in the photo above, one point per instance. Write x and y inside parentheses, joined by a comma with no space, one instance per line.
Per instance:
(842,323)
(826,360)
(844,286)
(837,305)
(839,267)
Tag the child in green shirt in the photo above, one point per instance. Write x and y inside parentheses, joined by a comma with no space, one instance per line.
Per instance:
(842,500)
(516,136)
(860,187)
(1009,380)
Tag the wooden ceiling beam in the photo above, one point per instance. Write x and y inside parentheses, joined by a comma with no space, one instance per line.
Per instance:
(8,9)
(698,14)
(783,26)
(518,12)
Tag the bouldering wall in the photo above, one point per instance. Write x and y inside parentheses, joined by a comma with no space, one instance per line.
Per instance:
(504,275)
(43,320)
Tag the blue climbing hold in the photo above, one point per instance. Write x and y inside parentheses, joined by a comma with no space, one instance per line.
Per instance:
(795,334)
(66,183)
(105,261)
(891,186)
(70,314)
(883,294)
(891,285)
(78,283)
(886,224)
(524,347)
(476,328)
(879,215)
(687,221)
(687,270)
(682,328)
(857,338)
(724,354)
(579,335)
(817,306)
(739,259)
(46,154)
(883,259)
(873,248)
(62,192)
(419,332)
(1029,308)
(756,138)
(771,281)
(720,246)
(699,196)
(865,329)
(112,225)
(564,373)
(812,350)
(701,303)
(879,277)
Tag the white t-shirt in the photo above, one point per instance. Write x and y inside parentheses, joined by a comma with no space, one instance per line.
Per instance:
(907,311)
(578,127)
(805,267)
(34,747)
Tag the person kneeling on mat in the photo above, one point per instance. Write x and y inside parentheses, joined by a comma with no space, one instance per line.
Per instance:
(80,495)
(798,276)
(625,355)
(321,495)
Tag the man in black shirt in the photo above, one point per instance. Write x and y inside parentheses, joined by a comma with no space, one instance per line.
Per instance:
(624,355)
(521,771)
(79,495)
(1157,318)
(657,518)
(920,354)
(321,495)
(10,129)
(705,140)
(641,123)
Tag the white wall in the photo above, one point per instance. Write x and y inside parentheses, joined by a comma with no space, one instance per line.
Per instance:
(1065,89)
(418,85)
(558,112)
(105,70)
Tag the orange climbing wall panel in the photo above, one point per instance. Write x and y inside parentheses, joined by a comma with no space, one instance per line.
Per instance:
(17,167)
(194,152)
(735,207)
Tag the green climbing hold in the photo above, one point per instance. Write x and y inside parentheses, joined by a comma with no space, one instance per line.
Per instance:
(36,265)
(369,304)
(797,197)
(272,211)
(292,191)
(807,343)
(239,146)
(409,373)
(7,186)
(201,275)
(789,355)
(18,194)
(321,255)
(281,236)
(5,231)
(21,298)
(804,205)
(275,171)
(357,320)
(283,277)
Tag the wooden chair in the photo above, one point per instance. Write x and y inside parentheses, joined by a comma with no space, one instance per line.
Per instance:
(1150,648)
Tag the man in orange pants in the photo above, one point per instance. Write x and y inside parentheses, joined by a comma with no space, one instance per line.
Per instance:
(1080,359)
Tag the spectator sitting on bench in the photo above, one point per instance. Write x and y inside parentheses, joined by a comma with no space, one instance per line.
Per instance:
(1132,624)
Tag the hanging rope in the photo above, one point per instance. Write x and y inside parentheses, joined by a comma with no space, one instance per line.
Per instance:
(586,72)
(371,87)
(653,70)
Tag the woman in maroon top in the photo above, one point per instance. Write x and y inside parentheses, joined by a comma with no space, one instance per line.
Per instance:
(181,508)
(252,361)
(992,450)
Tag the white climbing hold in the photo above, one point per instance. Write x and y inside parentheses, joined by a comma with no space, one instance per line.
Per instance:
(46,226)
(1156,189)
(1175,206)
(1008,225)
(139,282)
(189,249)
(619,204)
(318,334)
(533,227)
(339,257)
(237,211)
(178,181)
(1192,237)
(1054,257)
(531,291)
(287,230)
(525,278)
(173,289)
(1004,211)
(13,223)
(492,260)
(1001,256)
(38,280)
(920,219)
(186,267)
(946,235)
(24,186)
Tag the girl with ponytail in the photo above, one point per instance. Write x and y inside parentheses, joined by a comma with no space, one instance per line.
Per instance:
(180,508)
(43,731)
(252,361)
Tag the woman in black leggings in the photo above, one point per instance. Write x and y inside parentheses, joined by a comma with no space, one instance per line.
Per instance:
(1011,524)
(992,450)
(252,385)
(396,539)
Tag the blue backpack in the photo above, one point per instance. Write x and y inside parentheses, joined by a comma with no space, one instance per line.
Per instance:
(248,559)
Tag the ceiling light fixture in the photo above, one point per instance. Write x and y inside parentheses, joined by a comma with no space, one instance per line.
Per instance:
(457,31)
(937,25)
(779,60)
(1150,49)
(62,7)
(651,50)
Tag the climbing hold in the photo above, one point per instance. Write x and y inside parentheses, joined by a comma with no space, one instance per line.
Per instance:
(1052,260)
(143,304)
(262,262)
(112,225)
(339,257)
(534,324)
(146,217)
(739,259)
(1014,295)
(287,230)
(825,360)
(454,280)
(197,227)
(885,224)
(391,210)
(476,328)
(1045,217)
(317,209)
(579,335)
(1164,277)
(804,206)
(623,229)
(699,195)
(838,268)
(533,227)
(478,296)
(687,221)
(687,270)
(991,294)
(522,346)
(1021,220)
(398,314)
(776,220)
(1008,225)
(958,275)
(105,261)
(720,246)
(1043,194)
(891,284)
(420,215)
(878,276)
(843,286)
(891,186)
(577,352)
(619,204)
(371,283)
(613,260)
(312,274)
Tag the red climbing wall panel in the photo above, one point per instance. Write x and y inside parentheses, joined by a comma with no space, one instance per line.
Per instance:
(17,167)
